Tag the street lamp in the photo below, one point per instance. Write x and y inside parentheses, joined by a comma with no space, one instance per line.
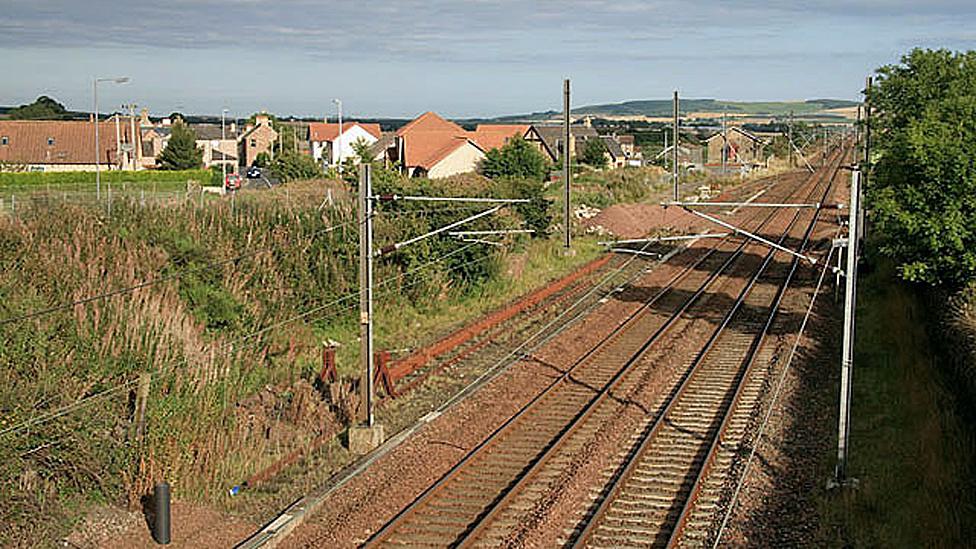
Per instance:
(338,102)
(223,155)
(98,164)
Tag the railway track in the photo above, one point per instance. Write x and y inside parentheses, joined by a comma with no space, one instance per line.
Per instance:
(464,505)
(671,483)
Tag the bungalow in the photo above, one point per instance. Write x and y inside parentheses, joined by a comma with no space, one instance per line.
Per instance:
(329,146)
(59,146)
(736,146)
(430,146)
(257,138)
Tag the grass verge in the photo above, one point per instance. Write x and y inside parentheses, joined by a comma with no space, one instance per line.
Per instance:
(910,447)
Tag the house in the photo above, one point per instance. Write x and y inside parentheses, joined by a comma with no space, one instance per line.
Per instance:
(430,146)
(614,152)
(47,145)
(736,146)
(688,155)
(257,138)
(551,139)
(328,146)
(633,154)
(219,144)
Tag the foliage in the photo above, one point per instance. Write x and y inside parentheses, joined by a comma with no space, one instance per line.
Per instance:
(363,151)
(262,160)
(289,166)
(181,152)
(923,191)
(537,212)
(593,153)
(37,179)
(43,108)
(517,158)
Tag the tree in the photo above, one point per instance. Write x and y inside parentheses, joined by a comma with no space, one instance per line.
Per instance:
(290,165)
(517,158)
(181,152)
(43,108)
(363,151)
(923,191)
(594,153)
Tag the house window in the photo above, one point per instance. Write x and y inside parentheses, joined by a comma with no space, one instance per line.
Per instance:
(50,141)
(254,143)
(4,140)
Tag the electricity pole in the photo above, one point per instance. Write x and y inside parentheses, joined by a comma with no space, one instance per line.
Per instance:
(790,137)
(98,170)
(567,170)
(674,147)
(725,142)
(866,170)
(366,291)
(338,103)
(223,138)
(847,353)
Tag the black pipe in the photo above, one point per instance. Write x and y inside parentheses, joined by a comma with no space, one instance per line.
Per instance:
(161,513)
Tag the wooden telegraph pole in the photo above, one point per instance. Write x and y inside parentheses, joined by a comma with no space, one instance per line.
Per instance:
(567,171)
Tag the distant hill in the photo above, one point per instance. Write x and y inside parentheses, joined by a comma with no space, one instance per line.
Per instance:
(662,107)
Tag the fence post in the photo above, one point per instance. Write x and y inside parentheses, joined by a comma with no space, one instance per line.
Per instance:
(142,398)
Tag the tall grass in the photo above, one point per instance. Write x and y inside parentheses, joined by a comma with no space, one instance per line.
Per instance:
(230,269)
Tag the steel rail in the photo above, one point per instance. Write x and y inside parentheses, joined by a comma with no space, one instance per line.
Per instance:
(596,518)
(710,457)
(402,516)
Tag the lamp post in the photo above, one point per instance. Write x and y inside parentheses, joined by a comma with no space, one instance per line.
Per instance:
(223,155)
(338,103)
(98,173)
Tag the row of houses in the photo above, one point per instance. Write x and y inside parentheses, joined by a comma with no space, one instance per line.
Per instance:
(734,148)
(428,146)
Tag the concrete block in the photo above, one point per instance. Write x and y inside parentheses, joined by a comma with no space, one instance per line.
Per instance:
(363,440)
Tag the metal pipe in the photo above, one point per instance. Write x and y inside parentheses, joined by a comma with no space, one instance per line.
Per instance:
(161,513)
(663,239)
(396,197)
(480,233)
(398,245)
(733,228)
(743,204)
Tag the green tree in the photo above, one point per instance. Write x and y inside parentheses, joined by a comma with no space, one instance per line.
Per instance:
(363,151)
(43,108)
(181,152)
(922,192)
(289,166)
(517,158)
(593,153)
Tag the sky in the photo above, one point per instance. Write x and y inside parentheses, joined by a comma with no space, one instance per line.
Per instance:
(470,58)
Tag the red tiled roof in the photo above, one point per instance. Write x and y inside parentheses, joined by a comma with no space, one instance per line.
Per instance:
(494,136)
(73,141)
(428,139)
(327,131)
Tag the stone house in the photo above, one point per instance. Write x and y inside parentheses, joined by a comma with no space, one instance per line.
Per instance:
(257,138)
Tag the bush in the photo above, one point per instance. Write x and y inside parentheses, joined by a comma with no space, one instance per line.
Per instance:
(923,191)
(39,179)
(594,153)
(517,158)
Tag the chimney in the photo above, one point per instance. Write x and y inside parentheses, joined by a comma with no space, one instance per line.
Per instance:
(261,119)
(233,127)
(144,118)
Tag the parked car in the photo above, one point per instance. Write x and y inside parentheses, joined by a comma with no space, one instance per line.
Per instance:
(253,172)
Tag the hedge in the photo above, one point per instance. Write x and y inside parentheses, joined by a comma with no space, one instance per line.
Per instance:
(114,176)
